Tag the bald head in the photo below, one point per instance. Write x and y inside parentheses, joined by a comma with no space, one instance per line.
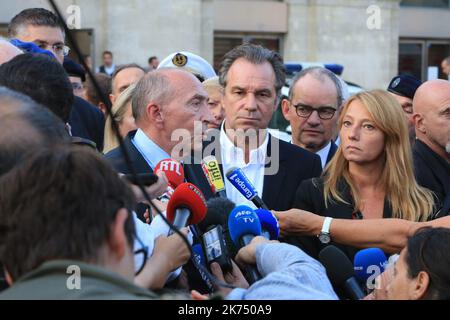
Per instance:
(7,51)
(431,107)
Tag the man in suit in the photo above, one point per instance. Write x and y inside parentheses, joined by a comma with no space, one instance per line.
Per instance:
(314,89)
(165,100)
(43,28)
(108,66)
(431,155)
(252,77)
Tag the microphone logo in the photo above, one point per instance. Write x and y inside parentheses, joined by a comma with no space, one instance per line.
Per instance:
(241,183)
(170,165)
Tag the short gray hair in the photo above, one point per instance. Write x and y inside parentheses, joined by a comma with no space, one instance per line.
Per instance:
(257,55)
(153,87)
(320,74)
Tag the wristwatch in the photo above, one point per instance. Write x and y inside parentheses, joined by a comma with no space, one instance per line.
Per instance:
(324,235)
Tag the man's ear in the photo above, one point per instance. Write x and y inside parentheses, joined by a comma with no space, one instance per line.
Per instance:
(422,282)
(102,107)
(285,109)
(418,123)
(118,242)
(153,112)
(112,98)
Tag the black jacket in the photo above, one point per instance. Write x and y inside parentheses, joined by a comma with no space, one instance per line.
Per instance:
(87,121)
(310,197)
(295,165)
(332,152)
(433,172)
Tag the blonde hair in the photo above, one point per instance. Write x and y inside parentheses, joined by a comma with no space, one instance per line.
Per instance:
(407,199)
(212,85)
(118,110)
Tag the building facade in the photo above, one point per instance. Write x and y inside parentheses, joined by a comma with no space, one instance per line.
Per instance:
(373,40)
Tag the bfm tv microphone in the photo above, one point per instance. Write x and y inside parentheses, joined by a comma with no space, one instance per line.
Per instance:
(244,225)
(340,271)
(368,264)
(187,206)
(174,173)
(215,176)
(269,224)
(240,181)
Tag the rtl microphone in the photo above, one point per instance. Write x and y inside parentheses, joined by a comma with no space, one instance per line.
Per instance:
(269,224)
(187,206)
(340,271)
(368,264)
(175,175)
(240,181)
(212,165)
(244,225)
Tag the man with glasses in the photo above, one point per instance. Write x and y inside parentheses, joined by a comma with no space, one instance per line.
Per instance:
(312,109)
(43,28)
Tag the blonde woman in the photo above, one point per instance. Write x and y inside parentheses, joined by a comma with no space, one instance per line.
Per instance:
(123,116)
(370,177)
(215,95)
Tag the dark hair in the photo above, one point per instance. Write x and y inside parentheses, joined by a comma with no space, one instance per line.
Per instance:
(24,127)
(150,60)
(429,250)
(320,74)
(123,67)
(107,52)
(34,17)
(43,79)
(104,81)
(59,204)
(257,55)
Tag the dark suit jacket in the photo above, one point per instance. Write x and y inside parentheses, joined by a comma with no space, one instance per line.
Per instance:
(87,121)
(332,151)
(433,172)
(310,197)
(295,165)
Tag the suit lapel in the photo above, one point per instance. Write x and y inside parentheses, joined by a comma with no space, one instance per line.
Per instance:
(273,184)
(138,161)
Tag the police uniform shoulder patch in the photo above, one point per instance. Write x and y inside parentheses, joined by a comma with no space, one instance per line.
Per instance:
(180,60)
(396,82)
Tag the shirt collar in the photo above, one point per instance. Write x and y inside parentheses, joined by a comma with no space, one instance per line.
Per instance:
(233,154)
(151,152)
(323,154)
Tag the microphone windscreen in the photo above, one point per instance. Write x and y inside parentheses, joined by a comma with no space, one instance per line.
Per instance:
(368,261)
(240,181)
(243,221)
(217,213)
(174,171)
(187,196)
(338,265)
(269,223)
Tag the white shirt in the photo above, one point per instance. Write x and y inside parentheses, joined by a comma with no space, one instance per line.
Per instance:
(323,154)
(233,156)
(151,152)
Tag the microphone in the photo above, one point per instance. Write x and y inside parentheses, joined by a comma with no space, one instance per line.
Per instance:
(368,264)
(217,213)
(244,225)
(240,181)
(340,271)
(175,175)
(269,224)
(208,177)
(187,206)
(215,176)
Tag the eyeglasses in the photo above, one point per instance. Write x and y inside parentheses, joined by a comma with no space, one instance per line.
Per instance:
(77,86)
(304,111)
(59,48)
(142,252)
